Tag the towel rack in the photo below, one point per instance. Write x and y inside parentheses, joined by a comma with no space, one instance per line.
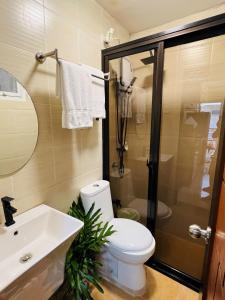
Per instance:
(41,57)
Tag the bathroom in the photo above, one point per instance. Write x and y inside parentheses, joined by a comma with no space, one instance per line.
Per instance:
(159,159)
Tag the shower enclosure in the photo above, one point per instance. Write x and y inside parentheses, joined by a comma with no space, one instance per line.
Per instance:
(163,137)
(130,94)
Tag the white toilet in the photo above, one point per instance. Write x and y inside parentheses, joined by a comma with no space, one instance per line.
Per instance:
(129,247)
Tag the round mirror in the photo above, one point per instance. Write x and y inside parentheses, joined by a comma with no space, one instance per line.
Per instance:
(18,124)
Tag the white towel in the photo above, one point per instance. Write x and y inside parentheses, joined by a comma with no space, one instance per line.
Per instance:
(73,86)
(139,102)
(98,92)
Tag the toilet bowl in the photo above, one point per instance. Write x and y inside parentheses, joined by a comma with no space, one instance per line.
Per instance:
(129,247)
(132,242)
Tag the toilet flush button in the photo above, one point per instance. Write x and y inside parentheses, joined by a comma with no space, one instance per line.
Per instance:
(95,185)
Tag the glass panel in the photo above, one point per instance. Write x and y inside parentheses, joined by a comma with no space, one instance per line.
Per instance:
(193,97)
(130,98)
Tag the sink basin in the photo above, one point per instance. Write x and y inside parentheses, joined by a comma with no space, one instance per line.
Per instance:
(32,253)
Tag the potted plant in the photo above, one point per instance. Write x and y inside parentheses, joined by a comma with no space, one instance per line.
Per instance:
(82,264)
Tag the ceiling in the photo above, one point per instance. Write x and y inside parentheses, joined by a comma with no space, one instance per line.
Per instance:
(137,15)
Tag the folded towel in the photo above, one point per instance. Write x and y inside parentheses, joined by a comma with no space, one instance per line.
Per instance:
(73,86)
(98,92)
(139,100)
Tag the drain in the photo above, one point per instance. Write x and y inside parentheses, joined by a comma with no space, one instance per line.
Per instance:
(25,258)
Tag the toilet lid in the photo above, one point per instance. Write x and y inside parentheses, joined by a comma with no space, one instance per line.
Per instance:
(130,235)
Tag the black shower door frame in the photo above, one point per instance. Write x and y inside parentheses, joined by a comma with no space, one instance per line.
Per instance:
(195,31)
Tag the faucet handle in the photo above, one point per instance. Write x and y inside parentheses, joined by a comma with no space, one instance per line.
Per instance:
(7,199)
(13,209)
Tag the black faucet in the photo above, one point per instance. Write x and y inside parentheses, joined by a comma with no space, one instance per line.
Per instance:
(8,210)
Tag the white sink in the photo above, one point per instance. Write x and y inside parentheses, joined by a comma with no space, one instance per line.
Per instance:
(45,234)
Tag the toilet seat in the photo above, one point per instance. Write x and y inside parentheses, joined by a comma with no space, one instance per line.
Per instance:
(132,242)
(130,235)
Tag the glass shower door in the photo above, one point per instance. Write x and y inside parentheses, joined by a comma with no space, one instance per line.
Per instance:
(130,105)
(193,99)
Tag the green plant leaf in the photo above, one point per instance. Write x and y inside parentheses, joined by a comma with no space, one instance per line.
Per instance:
(86,292)
(82,264)
(93,281)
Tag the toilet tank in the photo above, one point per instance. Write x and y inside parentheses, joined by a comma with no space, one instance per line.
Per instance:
(99,193)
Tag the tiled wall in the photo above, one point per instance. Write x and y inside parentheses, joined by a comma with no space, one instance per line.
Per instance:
(64,160)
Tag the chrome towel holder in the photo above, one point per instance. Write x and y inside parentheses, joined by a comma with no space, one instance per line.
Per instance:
(41,57)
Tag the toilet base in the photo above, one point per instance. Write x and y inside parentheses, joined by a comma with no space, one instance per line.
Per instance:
(131,278)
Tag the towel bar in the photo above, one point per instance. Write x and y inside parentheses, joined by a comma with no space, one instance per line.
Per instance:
(41,57)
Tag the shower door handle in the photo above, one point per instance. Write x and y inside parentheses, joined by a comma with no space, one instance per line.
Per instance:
(196,232)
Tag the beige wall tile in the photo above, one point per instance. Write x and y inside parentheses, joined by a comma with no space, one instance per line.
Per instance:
(90,16)
(44,117)
(64,160)
(65,9)
(38,173)
(61,33)
(6,189)
(218,48)
(22,24)
(88,41)
(120,32)
(61,136)
(61,195)
(91,147)
(22,65)
(67,161)
(6,186)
